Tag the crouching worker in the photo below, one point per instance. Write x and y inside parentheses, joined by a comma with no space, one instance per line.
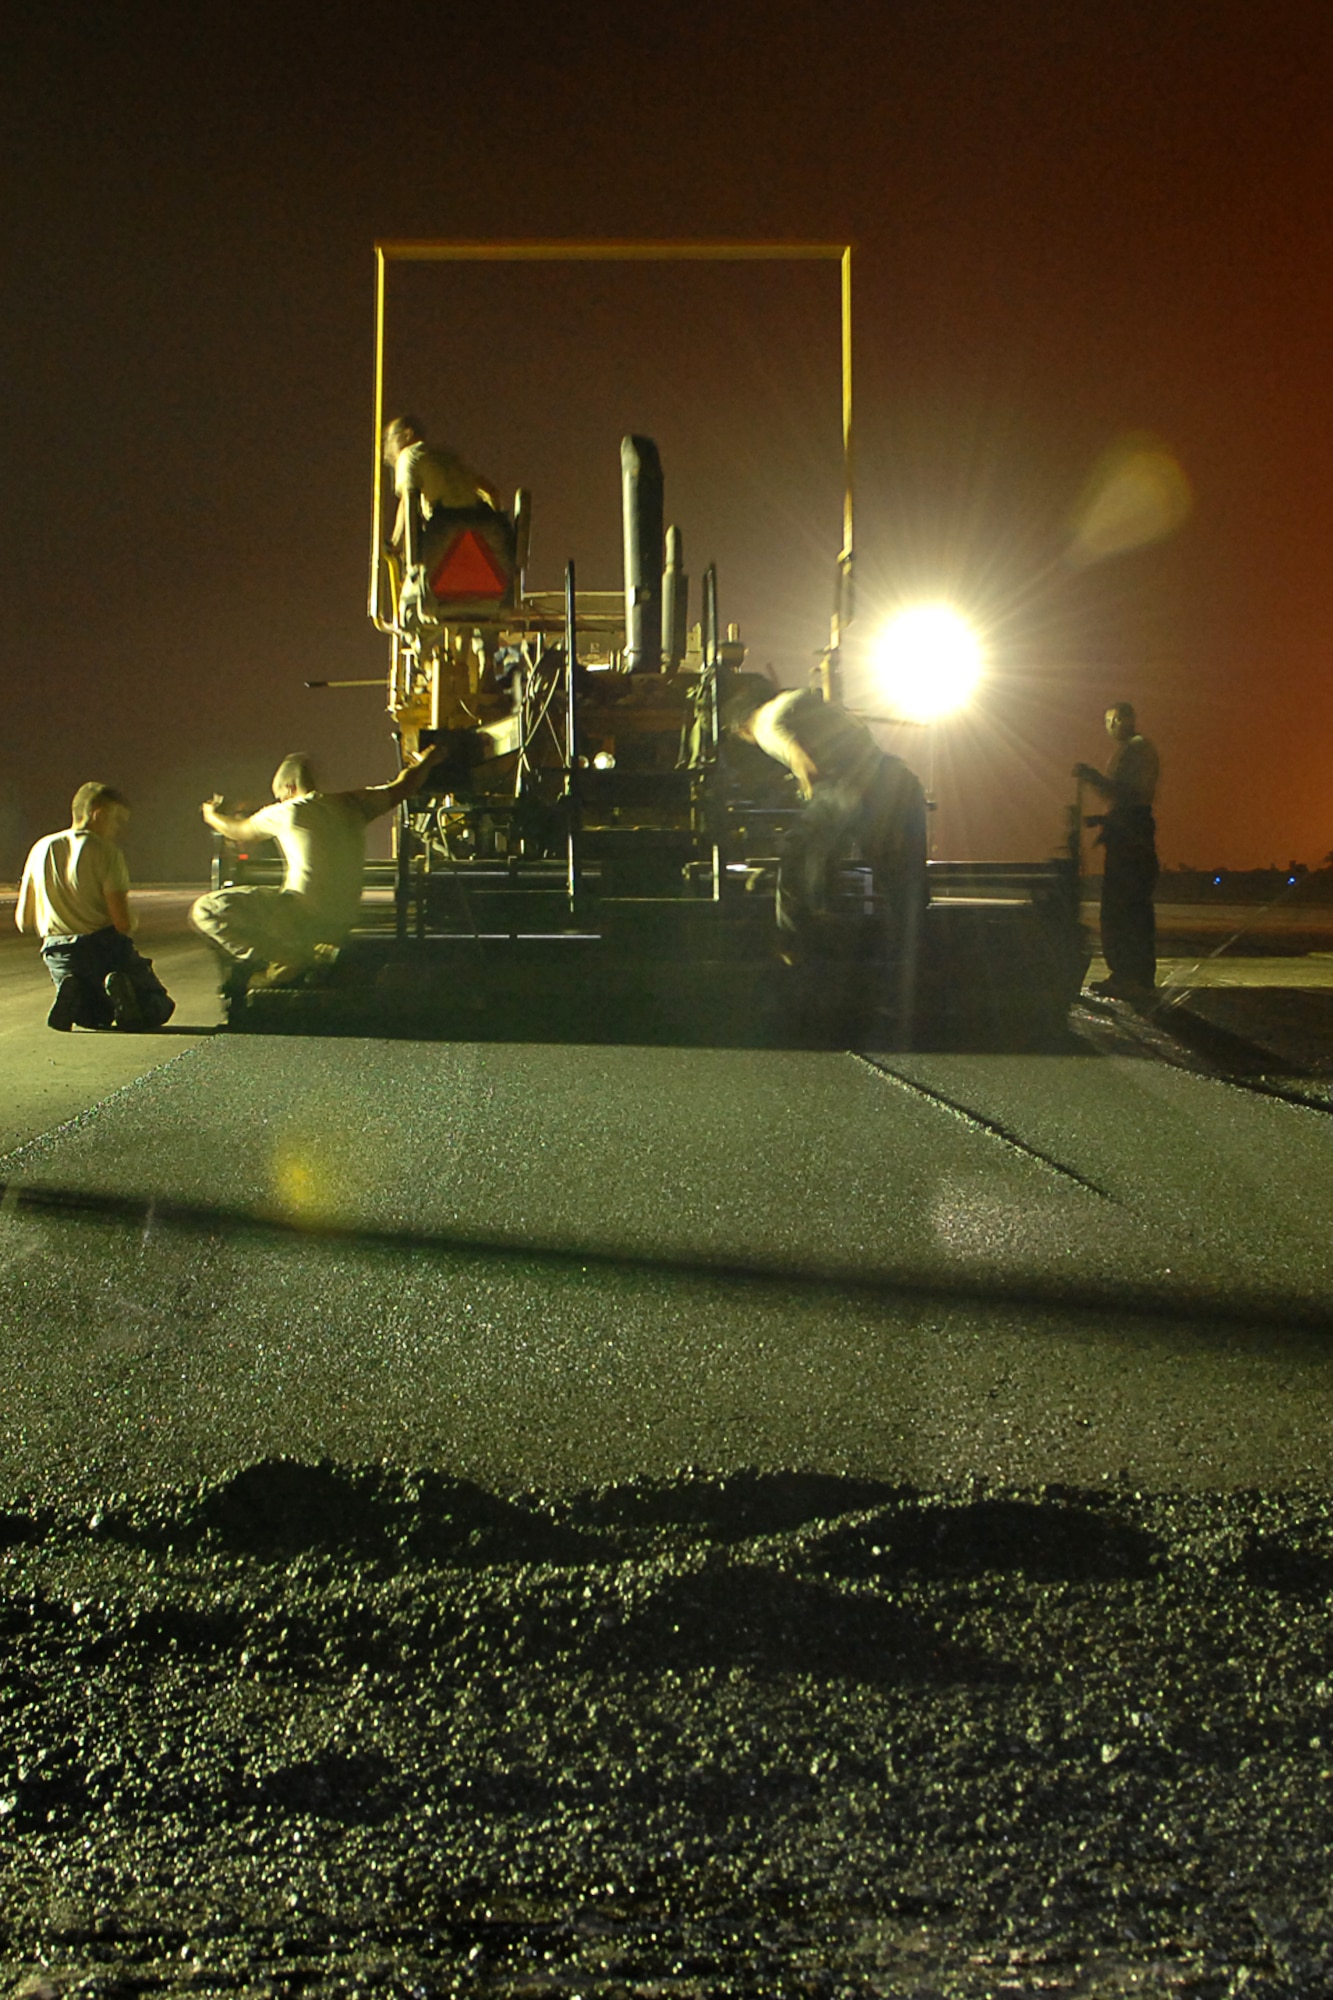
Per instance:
(861,803)
(274,935)
(75,896)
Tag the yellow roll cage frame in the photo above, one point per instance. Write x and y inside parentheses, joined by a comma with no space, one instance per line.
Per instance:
(431,252)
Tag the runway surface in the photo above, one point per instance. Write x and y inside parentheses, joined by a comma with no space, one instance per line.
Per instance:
(364,1636)
(553,1265)
(47,1078)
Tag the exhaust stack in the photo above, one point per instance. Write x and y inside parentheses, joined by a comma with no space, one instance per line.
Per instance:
(675,603)
(641,494)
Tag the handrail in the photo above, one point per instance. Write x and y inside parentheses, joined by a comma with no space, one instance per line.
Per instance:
(576,250)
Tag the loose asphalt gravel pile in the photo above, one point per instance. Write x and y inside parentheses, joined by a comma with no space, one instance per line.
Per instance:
(345,1730)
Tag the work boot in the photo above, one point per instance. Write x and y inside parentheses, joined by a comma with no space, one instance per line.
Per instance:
(1143,999)
(236,978)
(154,1004)
(120,991)
(72,997)
(1131,991)
(278,975)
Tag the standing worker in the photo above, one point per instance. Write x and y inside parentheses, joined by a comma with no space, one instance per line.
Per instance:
(275,934)
(1129,836)
(859,799)
(75,896)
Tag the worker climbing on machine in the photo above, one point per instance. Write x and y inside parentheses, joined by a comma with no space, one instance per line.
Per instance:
(275,935)
(1129,876)
(429,476)
(860,801)
(75,896)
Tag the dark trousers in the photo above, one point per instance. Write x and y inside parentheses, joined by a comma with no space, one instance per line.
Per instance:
(90,958)
(854,975)
(1129,924)
(877,816)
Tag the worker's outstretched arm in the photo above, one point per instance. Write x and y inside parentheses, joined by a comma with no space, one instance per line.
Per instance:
(25,909)
(383,798)
(1087,775)
(233,826)
(804,769)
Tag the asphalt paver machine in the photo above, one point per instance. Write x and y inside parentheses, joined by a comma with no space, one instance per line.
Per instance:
(591,857)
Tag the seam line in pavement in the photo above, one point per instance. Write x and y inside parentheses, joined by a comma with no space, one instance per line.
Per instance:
(1178,1050)
(991,1126)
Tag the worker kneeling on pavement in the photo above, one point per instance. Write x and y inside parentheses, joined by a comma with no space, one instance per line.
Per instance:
(75,896)
(861,802)
(274,935)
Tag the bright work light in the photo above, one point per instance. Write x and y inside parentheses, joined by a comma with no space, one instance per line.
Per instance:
(928,662)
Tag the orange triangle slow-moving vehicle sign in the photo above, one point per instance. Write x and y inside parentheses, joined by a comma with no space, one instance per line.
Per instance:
(468,568)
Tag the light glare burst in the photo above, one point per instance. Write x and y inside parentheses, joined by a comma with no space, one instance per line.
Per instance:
(929,662)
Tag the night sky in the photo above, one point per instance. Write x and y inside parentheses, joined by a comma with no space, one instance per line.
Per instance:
(1074,224)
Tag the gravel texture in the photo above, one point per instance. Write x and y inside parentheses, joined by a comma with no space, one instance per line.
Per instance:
(350,1729)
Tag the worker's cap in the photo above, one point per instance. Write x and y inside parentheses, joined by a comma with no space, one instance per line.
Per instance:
(746,693)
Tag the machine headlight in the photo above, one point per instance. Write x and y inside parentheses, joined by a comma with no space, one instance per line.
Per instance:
(928,661)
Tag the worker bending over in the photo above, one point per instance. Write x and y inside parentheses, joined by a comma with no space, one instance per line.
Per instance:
(276,934)
(75,896)
(860,801)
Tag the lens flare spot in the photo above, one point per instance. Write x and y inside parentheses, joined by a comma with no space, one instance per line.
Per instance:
(303,1185)
(1138,493)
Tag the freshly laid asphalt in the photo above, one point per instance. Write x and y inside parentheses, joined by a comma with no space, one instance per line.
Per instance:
(536,1265)
(984,1649)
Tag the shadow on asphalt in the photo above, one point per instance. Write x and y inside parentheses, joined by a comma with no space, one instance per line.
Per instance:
(184,1028)
(1226,1312)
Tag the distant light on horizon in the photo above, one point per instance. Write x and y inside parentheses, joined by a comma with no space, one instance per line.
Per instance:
(928,661)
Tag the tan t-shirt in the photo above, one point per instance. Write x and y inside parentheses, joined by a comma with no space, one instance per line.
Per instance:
(323,840)
(1134,768)
(838,744)
(65,880)
(439,476)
